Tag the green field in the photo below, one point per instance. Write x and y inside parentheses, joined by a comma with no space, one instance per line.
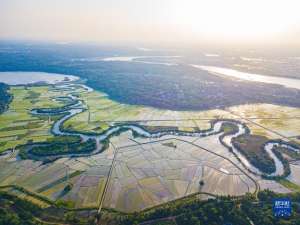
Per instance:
(101,108)
(289,185)
(102,111)
(17,124)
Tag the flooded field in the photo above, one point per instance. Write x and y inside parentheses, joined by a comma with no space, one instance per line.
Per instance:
(155,172)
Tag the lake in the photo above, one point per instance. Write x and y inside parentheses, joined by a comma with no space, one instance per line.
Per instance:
(287,82)
(17,78)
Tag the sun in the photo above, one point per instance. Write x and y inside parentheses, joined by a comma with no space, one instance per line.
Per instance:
(235,18)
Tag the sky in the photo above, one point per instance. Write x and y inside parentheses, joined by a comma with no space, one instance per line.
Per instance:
(152,21)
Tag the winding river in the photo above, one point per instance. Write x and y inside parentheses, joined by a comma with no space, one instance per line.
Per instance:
(79,107)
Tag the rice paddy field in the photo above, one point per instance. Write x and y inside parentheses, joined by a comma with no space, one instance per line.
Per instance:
(295,175)
(87,176)
(153,173)
(135,173)
(272,121)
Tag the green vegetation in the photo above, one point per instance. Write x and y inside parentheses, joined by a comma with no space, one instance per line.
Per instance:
(288,153)
(5,97)
(252,146)
(59,181)
(68,188)
(156,129)
(286,183)
(195,213)
(65,204)
(186,211)
(56,146)
(56,110)
(17,211)
(33,96)
(64,148)
(226,210)
(170,144)
(18,125)
(229,128)
(30,125)
(285,163)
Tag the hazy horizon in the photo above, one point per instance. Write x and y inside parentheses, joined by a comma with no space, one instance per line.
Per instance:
(233,22)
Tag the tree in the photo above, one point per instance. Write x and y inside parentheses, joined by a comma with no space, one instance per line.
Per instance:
(201,182)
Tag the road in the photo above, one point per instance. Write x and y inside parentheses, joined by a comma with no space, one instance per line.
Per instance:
(108,178)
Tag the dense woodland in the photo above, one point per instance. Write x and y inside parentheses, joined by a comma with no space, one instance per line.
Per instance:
(5,97)
(252,146)
(64,148)
(224,211)
(14,211)
(169,87)
(190,211)
(56,146)
(17,211)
